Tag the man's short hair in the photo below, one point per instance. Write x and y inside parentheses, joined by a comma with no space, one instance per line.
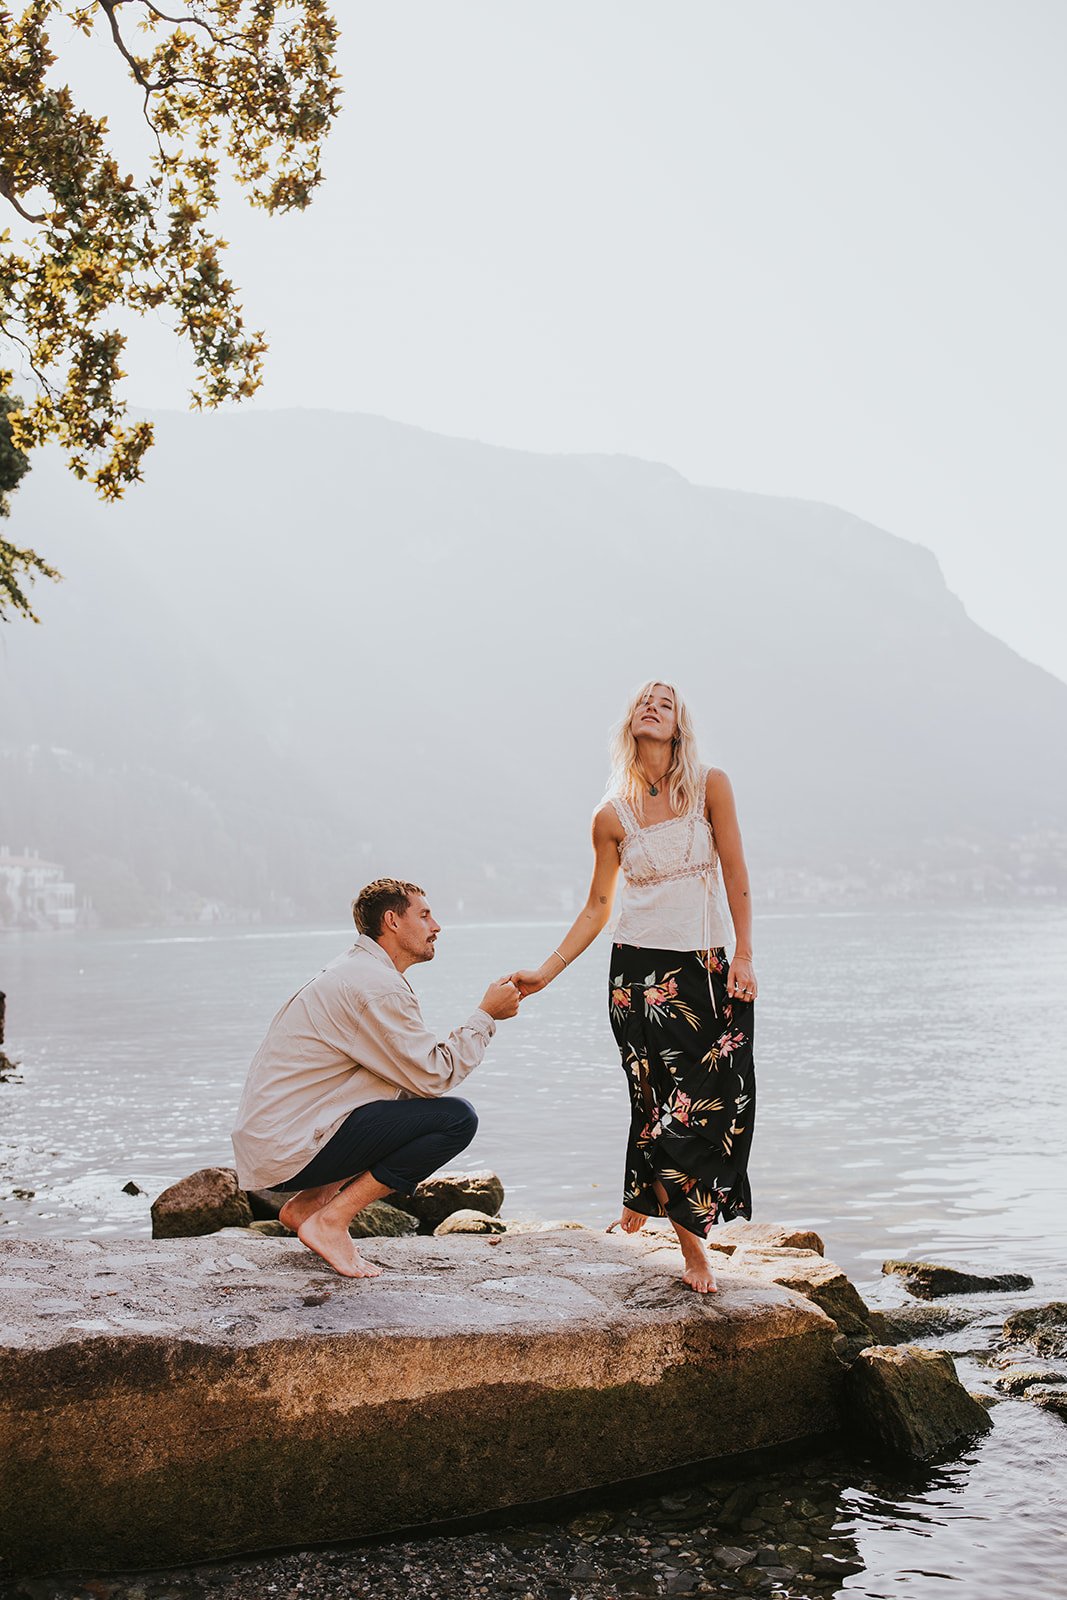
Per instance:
(384,894)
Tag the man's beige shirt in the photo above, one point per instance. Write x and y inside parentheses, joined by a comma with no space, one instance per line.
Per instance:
(351,1035)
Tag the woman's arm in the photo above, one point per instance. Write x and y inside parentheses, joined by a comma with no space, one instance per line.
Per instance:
(594,915)
(722,814)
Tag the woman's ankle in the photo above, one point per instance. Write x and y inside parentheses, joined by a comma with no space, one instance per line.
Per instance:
(692,1245)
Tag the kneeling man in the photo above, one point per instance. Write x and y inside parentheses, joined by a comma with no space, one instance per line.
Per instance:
(341,1100)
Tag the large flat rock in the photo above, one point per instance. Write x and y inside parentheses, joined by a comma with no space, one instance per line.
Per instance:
(188,1398)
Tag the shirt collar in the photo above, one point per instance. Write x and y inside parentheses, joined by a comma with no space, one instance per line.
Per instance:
(365,942)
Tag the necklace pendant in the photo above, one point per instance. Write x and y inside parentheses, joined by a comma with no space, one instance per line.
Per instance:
(654,789)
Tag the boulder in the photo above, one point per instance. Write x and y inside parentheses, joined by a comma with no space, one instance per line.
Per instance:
(270,1229)
(239,1396)
(929,1280)
(903,1324)
(1049,1398)
(731,1234)
(911,1401)
(381,1220)
(1043,1327)
(202,1203)
(1016,1380)
(469,1222)
(445,1192)
(986,1398)
(809,1274)
(266,1203)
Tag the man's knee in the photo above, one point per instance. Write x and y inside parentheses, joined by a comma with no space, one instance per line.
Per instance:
(464,1119)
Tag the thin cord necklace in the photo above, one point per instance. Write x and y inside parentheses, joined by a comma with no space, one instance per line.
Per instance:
(653,787)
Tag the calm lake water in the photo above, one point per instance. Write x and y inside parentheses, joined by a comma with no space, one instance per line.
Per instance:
(912,1101)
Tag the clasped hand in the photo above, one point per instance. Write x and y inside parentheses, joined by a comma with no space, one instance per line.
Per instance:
(501,999)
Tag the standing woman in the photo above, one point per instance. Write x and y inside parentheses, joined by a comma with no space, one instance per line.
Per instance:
(682,1014)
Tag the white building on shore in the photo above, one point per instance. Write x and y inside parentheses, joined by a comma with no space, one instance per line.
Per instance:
(34,893)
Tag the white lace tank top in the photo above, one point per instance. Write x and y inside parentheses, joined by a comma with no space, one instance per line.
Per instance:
(671,898)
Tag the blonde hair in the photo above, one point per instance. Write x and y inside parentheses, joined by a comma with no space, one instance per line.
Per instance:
(682,776)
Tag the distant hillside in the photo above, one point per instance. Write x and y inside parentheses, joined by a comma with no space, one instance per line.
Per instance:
(315,647)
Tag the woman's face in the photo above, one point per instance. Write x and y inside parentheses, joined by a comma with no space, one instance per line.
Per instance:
(654,716)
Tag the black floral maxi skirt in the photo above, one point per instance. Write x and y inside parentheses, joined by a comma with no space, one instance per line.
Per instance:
(687,1054)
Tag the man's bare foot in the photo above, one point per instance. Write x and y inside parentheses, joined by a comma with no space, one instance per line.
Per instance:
(329,1238)
(698,1272)
(305,1204)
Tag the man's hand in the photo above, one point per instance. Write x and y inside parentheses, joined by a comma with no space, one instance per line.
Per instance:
(501,999)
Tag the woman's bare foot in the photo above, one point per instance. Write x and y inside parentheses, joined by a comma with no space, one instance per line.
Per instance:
(329,1237)
(698,1272)
(305,1204)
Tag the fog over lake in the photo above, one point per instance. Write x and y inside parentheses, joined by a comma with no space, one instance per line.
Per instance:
(315,648)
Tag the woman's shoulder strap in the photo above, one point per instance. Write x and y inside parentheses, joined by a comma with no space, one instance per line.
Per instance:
(626,817)
(702,791)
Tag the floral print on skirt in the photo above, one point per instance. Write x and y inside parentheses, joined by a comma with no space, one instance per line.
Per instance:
(687,1054)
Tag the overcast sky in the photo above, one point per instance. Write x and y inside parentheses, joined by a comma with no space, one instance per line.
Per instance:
(807,249)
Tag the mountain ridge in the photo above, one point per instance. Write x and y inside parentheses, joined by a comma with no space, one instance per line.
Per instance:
(387,644)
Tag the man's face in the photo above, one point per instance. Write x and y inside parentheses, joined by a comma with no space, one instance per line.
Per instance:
(416,929)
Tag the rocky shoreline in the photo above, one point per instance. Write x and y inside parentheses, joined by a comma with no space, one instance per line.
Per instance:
(471,1203)
(775,1527)
(775,1535)
(773,1524)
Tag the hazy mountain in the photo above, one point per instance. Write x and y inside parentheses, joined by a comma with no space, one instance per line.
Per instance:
(315,647)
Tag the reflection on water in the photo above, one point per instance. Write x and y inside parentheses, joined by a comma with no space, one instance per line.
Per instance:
(987,1525)
(912,1101)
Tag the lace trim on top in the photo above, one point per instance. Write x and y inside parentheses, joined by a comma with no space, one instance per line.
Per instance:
(669,877)
(628,817)
(633,841)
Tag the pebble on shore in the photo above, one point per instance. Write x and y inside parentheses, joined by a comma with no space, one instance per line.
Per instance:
(680,1541)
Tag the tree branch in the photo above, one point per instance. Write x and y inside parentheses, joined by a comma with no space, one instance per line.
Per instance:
(27,216)
(109,7)
(150,86)
(7,332)
(230,41)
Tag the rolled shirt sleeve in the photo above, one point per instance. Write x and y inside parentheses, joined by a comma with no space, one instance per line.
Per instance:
(396,1044)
